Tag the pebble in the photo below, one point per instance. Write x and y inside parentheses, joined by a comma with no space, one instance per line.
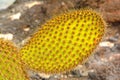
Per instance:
(8,36)
(15,16)
(106,44)
(92,76)
(55,77)
(33,3)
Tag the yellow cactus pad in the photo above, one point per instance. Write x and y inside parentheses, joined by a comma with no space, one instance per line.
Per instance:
(10,66)
(64,41)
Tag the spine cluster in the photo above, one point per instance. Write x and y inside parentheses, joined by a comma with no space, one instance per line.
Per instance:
(64,41)
(60,45)
(10,64)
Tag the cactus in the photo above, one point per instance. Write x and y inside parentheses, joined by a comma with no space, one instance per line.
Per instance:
(10,64)
(64,41)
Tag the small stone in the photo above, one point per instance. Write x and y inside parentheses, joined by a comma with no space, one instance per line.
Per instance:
(15,16)
(33,3)
(55,77)
(8,36)
(76,73)
(106,44)
(92,76)
(46,76)
(26,28)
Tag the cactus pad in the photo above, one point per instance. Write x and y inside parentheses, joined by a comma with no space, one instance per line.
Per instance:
(10,66)
(64,41)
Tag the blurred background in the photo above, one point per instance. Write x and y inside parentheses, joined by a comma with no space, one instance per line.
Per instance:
(21,18)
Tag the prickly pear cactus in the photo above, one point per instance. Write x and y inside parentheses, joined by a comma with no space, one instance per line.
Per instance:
(10,66)
(64,41)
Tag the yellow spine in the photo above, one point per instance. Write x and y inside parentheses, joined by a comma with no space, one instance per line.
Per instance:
(64,41)
(10,64)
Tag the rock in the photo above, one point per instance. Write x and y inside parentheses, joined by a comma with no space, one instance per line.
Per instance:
(118,46)
(4,4)
(106,44)
(76,73)
(92,76)
(7,36)
(111,10)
